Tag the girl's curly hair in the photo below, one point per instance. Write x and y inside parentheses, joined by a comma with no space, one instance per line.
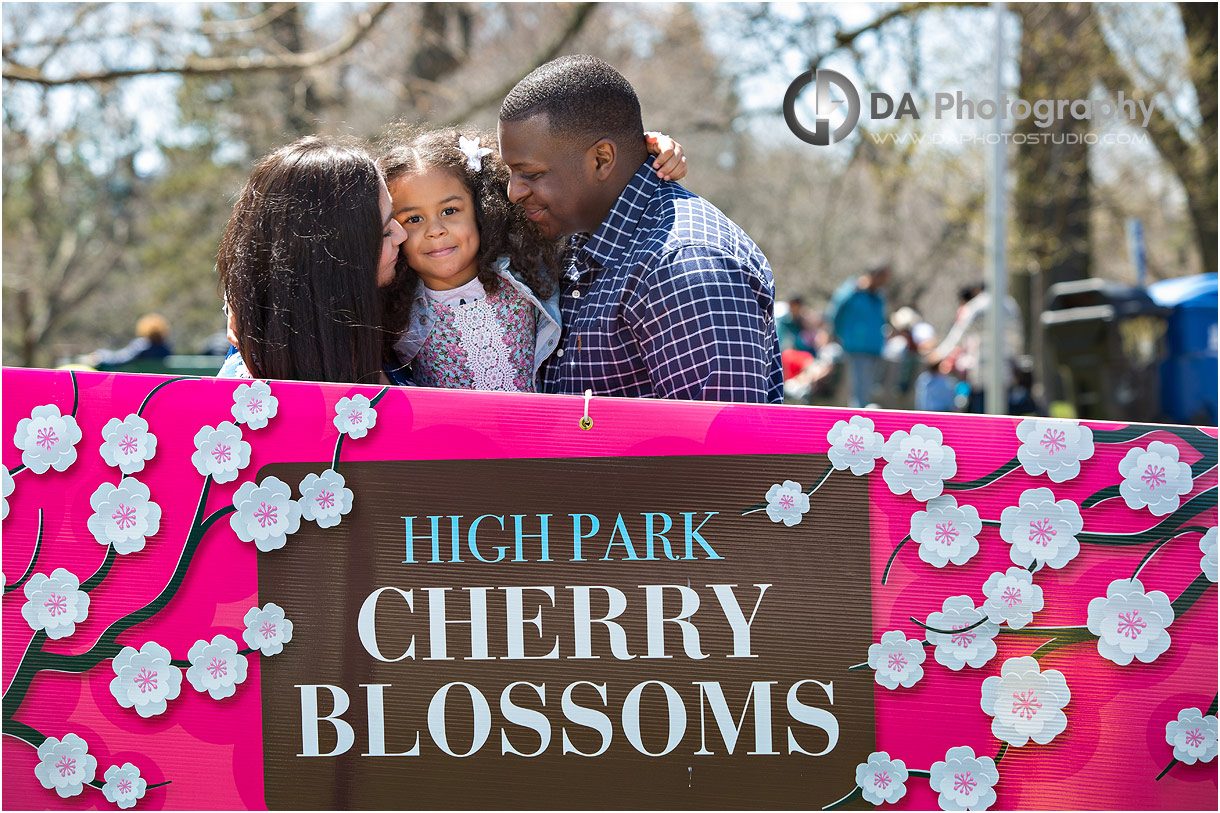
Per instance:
(503,227)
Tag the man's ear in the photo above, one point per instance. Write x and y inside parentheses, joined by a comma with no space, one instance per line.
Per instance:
(604,154)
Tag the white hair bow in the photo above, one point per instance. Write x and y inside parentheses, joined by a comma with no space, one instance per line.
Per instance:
(473,152)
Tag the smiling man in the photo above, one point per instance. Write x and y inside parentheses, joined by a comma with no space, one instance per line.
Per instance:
(663,296)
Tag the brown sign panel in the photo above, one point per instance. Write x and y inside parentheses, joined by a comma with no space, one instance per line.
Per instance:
(572,633)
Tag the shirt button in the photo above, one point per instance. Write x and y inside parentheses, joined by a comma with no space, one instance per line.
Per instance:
(576,294)
(559,352)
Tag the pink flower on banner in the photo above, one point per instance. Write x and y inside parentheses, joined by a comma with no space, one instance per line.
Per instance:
(65,765)
(267,629)
(787,503)
(220,452)
(896,661)
(216,667)
(123,515)
(918,462)
(55,603)
(253,404)
(1154,478)
(854,445)
(1026,703)
(124,786)
(266,514)
(145,679)
(1053,447)
(355,416)
(324,498)
(1130,623)
(964,781)
(946,532)
(962,644)
(47,439)
(1192,736)
(881,779)
(127,444)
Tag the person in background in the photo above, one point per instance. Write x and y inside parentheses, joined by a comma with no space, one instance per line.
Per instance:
(935,388)
(910,338)
(150,344)
(966,343)
(964,294)
(857,316)
(793,328)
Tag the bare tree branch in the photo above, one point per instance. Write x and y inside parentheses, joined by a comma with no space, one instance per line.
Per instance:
(203,66)
(577,20)
(246,24)
(847,38)
(77,19)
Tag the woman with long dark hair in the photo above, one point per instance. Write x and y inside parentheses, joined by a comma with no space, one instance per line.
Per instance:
(307,252)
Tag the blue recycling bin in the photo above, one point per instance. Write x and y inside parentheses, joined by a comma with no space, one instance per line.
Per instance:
(1189,373)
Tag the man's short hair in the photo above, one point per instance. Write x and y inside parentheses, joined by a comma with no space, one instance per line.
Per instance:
(583,97)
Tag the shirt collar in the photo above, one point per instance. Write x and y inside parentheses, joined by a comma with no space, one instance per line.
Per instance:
(616,233)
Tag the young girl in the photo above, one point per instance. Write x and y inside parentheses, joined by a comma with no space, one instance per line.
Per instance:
(483,307)
(305,262)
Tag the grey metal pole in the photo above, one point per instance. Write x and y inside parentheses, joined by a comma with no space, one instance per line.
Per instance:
(996,395)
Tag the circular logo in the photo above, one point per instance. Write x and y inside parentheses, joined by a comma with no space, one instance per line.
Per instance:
(822,135)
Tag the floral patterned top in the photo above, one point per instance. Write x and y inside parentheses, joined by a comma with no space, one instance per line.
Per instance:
(480,341)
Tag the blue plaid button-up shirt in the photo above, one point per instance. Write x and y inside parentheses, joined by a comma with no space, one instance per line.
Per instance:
(668,299)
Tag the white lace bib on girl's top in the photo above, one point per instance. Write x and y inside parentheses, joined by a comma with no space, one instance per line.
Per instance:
(480,341)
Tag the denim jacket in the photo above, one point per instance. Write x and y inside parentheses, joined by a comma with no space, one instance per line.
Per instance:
(546,338)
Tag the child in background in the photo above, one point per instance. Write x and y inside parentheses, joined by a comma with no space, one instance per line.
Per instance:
(478,283)
(935,389)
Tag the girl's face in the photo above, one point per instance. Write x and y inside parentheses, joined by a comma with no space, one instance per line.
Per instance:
(437,212)
(391,239)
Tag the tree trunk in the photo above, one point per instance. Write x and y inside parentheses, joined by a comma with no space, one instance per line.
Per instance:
(434,57)
(299,99)
(1052,199)
(1199,20)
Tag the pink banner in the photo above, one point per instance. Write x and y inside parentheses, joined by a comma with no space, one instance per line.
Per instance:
(288,595)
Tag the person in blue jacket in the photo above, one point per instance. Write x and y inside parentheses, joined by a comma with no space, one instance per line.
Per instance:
(857,315)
